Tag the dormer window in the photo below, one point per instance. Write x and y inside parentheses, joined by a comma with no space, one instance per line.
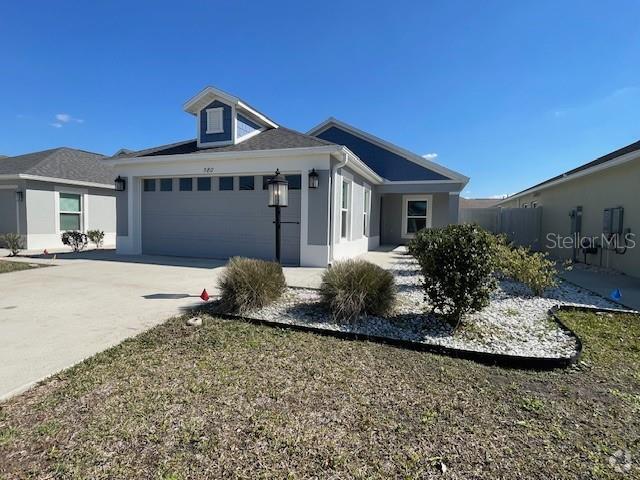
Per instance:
(214,120)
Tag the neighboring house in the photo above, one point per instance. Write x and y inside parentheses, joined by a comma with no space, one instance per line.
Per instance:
(599,200)
(478,202)
(207,197)
(43,194)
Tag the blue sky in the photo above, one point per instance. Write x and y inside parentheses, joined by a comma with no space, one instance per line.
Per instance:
(506,92)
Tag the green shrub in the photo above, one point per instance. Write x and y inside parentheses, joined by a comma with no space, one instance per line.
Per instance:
(353,287)
(457,263)
(533,269)
(249,284)
(96,237)
(13,242)
(76,240)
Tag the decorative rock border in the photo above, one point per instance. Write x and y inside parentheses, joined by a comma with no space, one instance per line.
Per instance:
(497,359)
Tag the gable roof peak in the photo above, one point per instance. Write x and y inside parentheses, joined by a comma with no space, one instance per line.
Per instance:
(413,157)
(209,94)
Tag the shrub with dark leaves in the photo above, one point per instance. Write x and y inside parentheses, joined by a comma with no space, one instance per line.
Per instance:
(78,241)
(457,263)
(248,284)
(354,287)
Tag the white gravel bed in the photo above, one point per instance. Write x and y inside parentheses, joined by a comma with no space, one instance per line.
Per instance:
(514,323)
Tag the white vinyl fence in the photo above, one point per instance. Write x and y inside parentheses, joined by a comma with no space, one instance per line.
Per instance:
(523,226)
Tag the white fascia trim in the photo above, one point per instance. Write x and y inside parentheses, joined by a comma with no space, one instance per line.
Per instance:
(257,114)
(419,182)
(208,156)
(192,105)
(413,157)
(595,169)
(24,176)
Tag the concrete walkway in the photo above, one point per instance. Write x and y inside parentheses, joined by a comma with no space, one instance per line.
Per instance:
(604,283)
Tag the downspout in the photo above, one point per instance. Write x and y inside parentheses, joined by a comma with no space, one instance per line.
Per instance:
(332,169)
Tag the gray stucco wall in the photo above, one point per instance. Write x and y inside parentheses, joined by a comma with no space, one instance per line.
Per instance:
(442,214)
(318,225)
(40,204)
(122,213)
(102,205)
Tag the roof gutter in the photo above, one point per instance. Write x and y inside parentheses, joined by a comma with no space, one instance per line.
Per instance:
(66,181)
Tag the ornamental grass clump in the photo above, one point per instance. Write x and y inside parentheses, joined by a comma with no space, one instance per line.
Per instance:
(534,269)
(249,284)
(351,288)
(457,263)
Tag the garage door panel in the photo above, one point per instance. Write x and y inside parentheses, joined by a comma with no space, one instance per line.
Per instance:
(217,224)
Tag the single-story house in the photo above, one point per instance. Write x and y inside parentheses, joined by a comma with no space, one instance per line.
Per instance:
(207,197)
(43,194)
(598,202)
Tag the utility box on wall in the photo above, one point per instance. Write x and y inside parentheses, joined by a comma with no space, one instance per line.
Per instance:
(613,221)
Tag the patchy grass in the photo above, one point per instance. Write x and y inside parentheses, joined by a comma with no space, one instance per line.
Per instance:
(7,266)
(231,399)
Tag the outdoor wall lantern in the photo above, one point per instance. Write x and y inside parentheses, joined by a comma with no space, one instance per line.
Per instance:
(278,198)
(19,195)
(121,184)
(313,178)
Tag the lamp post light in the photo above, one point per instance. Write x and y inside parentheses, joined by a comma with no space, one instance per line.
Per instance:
(278,198)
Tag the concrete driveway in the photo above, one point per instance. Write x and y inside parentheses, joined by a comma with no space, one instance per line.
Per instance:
(52,318)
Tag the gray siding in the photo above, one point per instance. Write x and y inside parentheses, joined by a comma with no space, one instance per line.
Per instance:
(8,218)
(122,213)
(374,223)
(318,225)
(218,224)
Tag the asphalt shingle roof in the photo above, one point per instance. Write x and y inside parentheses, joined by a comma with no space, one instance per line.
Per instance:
(598,161)
(65,163)
(276,138)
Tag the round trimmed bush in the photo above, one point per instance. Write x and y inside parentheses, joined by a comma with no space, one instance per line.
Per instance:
(353,287)
(249,284)
(457,263)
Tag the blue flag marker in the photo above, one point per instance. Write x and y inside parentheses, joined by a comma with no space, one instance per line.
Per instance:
(616,294)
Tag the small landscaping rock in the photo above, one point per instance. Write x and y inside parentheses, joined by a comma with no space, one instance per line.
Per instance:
(194,322)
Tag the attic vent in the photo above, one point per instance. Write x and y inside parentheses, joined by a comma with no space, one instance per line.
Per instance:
(214,120)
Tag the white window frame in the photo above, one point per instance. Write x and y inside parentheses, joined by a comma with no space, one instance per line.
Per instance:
(215,120)
(366,211)
(346,235)
(84,207)
(405,207)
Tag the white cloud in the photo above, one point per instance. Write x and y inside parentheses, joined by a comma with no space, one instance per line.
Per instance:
(500,196)
(430,156)
(64,118)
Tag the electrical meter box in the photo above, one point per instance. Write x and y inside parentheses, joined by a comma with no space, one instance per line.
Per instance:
(613,221)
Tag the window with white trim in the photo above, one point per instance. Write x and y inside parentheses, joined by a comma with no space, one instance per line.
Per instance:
(214,120)
(365,212)
(70,212)
(416,214)
(345,209)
